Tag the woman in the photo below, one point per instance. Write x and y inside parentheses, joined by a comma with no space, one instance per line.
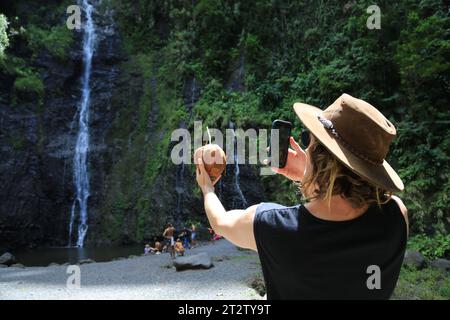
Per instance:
(348,240)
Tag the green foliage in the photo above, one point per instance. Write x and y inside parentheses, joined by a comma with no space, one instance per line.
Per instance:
(15,66)
(424,49)
(217,109)
(29,87)
(426,284)
(137,21)
(30,83)
(216,33)
(432,247)
(4,41)
(57,40)
(423,59)
(427,180)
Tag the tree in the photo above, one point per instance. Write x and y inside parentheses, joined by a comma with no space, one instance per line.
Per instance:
(4,42)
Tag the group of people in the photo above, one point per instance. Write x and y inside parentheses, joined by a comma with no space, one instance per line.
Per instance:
(187,238)
(213,236)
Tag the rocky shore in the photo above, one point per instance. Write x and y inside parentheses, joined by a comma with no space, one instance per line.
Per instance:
(140,277)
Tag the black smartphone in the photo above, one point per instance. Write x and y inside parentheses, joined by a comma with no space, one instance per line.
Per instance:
(282,133)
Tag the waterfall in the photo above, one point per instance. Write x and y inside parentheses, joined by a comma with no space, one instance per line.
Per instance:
(194,87)
(191,94)
(179,182)
(237,185)
(190,98)
(80,166)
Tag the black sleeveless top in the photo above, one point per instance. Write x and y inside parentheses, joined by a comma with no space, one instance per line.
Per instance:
(304,257)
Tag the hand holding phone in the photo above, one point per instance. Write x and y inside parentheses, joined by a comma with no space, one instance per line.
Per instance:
(291,162)
(279,143)
(295,164)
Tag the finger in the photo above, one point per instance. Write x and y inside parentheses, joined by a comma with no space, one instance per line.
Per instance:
(217,179)
(292,152)
(276,170)
(203,171)
(295,145)
(200,164)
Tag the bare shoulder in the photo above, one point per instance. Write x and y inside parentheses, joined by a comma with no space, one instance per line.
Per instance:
(251,209)
(249,214)
(403,209)
(401,205)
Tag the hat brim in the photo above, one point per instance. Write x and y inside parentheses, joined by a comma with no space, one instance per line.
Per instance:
(383,175)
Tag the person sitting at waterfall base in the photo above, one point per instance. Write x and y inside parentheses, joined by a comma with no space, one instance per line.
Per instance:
(169,235)
(148,249)
(179,248)
(211,234)
(349,238)
(158,246)
(214,235)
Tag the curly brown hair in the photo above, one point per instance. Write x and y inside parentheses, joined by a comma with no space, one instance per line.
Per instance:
(330,177)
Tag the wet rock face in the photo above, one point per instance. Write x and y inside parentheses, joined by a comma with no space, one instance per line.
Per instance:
(249,184)
(37,143)
(33,146)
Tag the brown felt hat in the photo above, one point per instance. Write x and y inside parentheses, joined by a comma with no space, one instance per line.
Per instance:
(357,134)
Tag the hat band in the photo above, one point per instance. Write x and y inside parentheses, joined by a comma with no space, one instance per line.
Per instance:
(328,124)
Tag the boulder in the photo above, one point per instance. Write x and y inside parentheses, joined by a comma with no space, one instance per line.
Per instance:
(7,259)
(86,261)
(414,259)
(442,264)
(119,259)
(17,265)
(197,261)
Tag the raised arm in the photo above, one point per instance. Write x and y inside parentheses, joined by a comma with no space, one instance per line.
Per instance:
(234,225)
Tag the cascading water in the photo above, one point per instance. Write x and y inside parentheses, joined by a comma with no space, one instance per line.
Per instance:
(179,182)
(191,96)
(80,167)
(237,186)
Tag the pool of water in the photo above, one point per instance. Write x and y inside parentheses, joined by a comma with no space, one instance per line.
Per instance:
(45,256)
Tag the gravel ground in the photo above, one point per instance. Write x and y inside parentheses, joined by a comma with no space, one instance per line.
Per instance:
(145,277)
